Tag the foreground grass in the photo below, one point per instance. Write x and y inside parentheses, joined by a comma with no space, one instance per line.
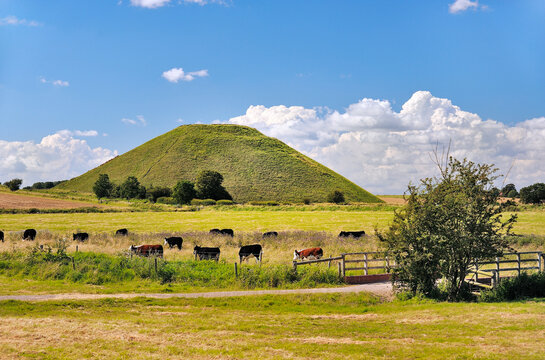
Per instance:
(333,326)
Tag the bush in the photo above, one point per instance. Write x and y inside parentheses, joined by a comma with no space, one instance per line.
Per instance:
(306,201)
(203,202)
(336,197)
(520,287)
(155,193)
(131,189)
(225,202)
(103,187)
(166,200)
(208,185)
(184,192)
(264,203)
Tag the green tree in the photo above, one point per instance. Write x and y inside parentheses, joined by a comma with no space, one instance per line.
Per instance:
(208,186)
(131,189)
(336,197)
(509,190)
(154,193)
(14,184)
(103,187)
(447,223)
(533,194)
(184,192)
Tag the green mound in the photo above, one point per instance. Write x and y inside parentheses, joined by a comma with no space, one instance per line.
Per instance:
(254,166)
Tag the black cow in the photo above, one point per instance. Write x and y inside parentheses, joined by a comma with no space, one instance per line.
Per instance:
(122,232)
(81,236)
(206,253)
(2,236)
(29,234)
(174,241)
(355,234)
(229,232)
(270,234)
(248,250)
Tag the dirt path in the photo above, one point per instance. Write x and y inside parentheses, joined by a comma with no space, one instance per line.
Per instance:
(381,289)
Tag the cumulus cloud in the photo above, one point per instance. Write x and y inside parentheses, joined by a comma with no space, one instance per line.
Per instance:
(140,121)
(15,21)
(56,157)
(382,149)
(176,74)
(462,5)
(153,4)
(60,83)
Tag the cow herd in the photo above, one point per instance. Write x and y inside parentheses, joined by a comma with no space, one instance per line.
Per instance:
(204,253)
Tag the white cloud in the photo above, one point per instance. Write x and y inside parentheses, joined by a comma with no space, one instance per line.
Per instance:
(462,5)
(56,157)
(176,74)
(85,132)
(150,4)
(140,120)
(60,83)
(15,21)
(382,150)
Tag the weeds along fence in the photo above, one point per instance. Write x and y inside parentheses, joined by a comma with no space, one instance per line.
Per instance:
(487,274)
(372,266)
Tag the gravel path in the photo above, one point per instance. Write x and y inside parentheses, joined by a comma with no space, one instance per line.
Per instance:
(381,289)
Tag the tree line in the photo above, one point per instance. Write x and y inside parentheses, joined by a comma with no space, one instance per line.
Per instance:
(207,186)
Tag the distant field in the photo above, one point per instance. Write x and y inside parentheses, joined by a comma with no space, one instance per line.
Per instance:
(529,222)
(18,201)
(334,326)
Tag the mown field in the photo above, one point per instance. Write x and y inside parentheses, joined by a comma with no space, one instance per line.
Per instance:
(333,326)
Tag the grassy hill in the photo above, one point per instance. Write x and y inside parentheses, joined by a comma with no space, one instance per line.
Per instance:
(254,166)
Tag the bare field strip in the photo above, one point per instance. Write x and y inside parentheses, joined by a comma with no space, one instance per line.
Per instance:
(310,326)
(17,201)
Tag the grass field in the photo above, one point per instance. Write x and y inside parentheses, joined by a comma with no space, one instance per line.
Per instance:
(337,326)
(529,222)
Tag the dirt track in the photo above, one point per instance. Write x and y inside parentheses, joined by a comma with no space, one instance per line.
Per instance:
(16,201)
(383,290)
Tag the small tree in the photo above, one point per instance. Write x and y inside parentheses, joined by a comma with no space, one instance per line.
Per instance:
(103,187)
(336,197)
(131,189)
(184,192)
(510,191)
(14,184)
(208,186)
(447,223)
(533,194)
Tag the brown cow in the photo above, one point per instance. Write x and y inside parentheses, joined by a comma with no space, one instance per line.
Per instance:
(147,250)
(312,253)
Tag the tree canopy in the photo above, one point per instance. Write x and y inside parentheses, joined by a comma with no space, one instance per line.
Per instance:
(103,187)
(184,192)
(447,223)
(14,184)
(208,186)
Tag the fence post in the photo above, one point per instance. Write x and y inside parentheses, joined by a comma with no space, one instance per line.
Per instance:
(295,266)
(476,269)
(539,261)
(497,270)
(387,264)
(493,279)
(365,271)
(236,270)
(73,264)
(518,262)
(340,270)
(329,262)
(76,248)
(344,266)
(156,264)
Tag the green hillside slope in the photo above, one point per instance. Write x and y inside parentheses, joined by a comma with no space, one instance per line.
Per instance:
(254,166)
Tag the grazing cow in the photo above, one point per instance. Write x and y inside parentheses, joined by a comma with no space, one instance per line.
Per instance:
(207,253)
(174,241)
(248,250)
(29,234)
(355,234)
(147,250)
(312,253)
(122,232)
(229,232)
(81,236)
(2,236)
(270,234)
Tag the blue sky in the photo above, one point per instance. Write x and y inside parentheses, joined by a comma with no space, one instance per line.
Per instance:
(102,67)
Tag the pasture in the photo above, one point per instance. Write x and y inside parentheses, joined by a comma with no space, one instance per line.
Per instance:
(332,326)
